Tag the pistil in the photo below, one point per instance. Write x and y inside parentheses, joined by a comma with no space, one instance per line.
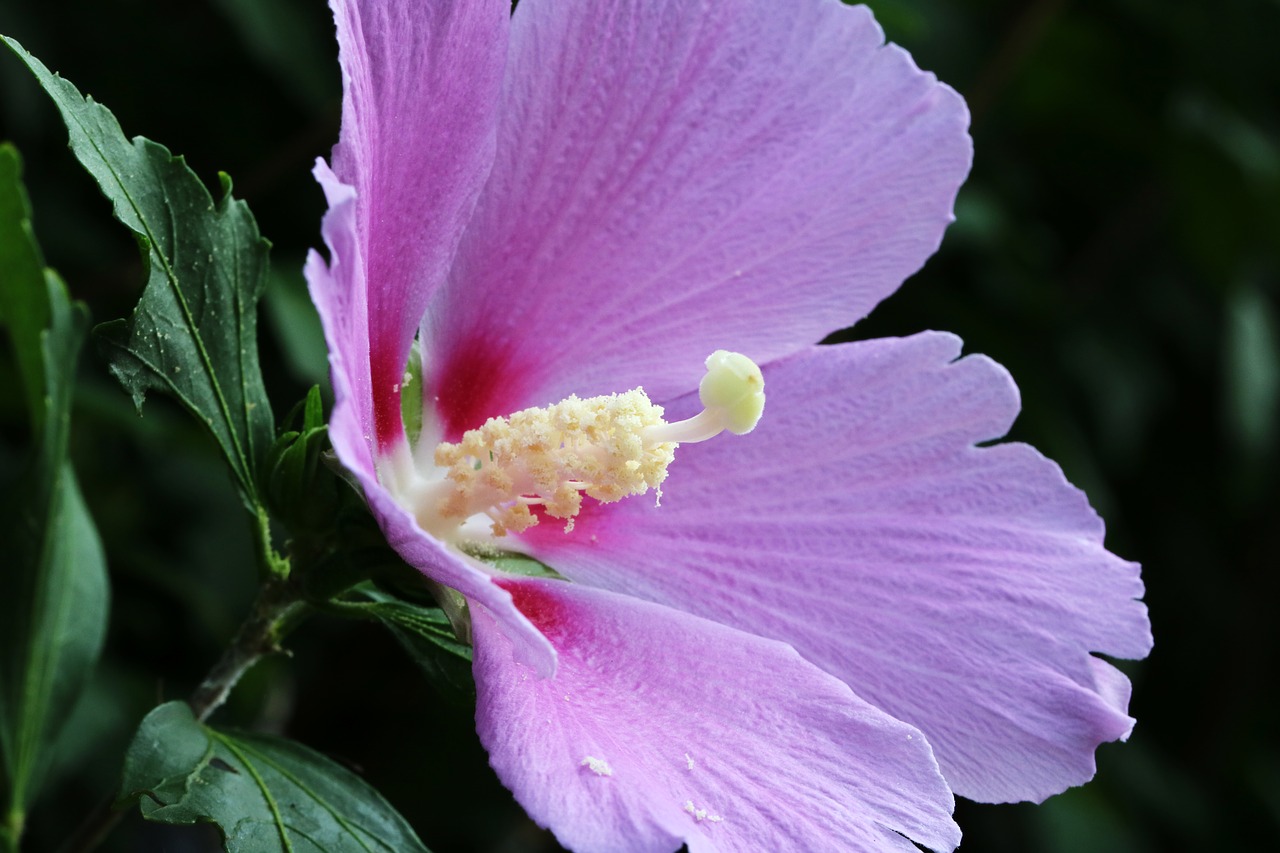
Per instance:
(732,394)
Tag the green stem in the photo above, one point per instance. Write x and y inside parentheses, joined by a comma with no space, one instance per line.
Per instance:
(274,614)
(271,563)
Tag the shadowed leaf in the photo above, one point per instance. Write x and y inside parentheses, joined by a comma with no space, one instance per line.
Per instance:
(263,793)
(54,608)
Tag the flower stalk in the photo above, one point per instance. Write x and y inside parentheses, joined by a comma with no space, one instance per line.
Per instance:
(277,610)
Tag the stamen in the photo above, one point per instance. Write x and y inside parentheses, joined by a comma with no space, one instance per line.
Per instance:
(607,448)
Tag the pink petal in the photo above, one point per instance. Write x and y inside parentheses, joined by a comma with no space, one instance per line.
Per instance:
(961,589)
(678,176)
(337,292)
(449,567)
(659,728)
(421,85)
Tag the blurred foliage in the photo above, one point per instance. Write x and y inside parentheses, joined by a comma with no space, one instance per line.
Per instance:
(53,615)
(1115,248)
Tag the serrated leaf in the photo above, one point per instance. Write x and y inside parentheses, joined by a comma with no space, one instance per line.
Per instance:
(54,611)
(193,334)
(263,793)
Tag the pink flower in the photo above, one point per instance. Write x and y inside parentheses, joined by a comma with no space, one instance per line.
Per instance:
(829,624)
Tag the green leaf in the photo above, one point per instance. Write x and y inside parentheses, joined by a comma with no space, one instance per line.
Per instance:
(429,623)
(263,793)
(436,637)
(193,334)
(426,633)
(54,610)
(24,305)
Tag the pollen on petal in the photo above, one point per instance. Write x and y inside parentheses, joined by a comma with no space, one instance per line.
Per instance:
(598,766)
(701,814)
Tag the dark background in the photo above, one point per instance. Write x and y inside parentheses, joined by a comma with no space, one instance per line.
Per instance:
(1115,248)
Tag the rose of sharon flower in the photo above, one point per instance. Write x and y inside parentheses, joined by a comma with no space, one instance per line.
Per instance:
(803,637)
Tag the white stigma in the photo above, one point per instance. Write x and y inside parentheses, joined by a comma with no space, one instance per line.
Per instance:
(607,448)
(732,392)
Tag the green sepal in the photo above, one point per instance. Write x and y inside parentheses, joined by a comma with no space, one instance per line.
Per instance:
(193,334)
(53,613)
(263,793)
(519,564)
(301,492)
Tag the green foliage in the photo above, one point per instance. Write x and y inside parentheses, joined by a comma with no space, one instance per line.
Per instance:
(24,304)
(1252,377)
(428,623)
(427,634)
(193,334)
(54,610)
(263,793)
(295,324)
(430,634)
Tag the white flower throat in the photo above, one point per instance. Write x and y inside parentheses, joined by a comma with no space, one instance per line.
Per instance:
(607,448)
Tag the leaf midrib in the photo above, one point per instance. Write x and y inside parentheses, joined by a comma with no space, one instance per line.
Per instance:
(242,751)
(153,248)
